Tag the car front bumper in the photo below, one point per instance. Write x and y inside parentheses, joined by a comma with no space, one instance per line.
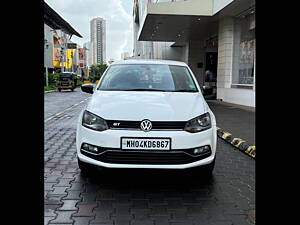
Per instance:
(180,140)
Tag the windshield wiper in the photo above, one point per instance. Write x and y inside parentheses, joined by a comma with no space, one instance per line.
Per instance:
(143,89)
(183,90)
(146,89)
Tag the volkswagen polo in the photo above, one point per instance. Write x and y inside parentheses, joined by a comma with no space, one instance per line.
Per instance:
(146,114)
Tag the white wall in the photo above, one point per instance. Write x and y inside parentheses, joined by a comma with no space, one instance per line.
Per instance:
(237,96)
(190,7)
(48,52)
(225,91)
(225,53)
(164,50)
(136,43)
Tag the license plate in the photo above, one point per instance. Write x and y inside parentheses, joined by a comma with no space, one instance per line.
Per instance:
(145,143)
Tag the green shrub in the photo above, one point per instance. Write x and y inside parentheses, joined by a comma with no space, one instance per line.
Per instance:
(53,79)
(50,88)
(96,72)
(79,82)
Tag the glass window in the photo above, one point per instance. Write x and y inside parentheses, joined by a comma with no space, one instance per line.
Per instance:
(140,77)
(244,51)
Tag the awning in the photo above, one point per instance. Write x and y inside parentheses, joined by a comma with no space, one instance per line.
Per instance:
(181,21)
(55,21)
(174,21)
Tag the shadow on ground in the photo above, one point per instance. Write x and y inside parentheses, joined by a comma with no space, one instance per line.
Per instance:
(148,178)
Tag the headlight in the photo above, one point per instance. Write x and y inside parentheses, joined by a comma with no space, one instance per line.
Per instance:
(94,122)
(198,124)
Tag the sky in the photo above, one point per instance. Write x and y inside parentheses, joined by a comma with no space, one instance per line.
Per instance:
(118,16)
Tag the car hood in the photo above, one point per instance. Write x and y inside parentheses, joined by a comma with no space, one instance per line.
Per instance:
(139,105)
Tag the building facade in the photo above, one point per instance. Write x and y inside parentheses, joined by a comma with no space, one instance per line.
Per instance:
(48,48)
(216,38)
(98,40)
(60,53)
(88,54)
(57,55)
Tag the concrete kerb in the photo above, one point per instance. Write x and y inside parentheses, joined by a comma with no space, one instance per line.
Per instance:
(50,91)
(55,90)
(239,143)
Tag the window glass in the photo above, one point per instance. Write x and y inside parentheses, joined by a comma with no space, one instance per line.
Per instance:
(244,51)
(153,77)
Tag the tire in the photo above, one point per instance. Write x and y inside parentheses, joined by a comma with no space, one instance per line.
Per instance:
(72,89)
(86,168)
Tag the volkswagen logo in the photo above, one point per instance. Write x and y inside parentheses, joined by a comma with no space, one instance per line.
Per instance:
(146,125)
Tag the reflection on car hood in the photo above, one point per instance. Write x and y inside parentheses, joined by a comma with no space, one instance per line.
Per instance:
(139,105)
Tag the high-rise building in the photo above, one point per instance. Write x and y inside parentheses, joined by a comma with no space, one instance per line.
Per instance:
(98,40)
(88,53)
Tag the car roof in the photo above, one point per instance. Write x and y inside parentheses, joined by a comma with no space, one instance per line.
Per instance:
(149,61)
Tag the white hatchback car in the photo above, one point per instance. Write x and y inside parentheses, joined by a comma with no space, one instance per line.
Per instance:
(146,114)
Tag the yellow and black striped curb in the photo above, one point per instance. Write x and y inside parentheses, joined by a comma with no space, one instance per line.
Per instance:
(239,143)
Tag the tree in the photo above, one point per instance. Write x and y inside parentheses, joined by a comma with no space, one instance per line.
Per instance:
(96,72)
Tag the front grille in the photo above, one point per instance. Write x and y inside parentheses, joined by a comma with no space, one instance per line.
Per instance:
(146,157)
(156,125)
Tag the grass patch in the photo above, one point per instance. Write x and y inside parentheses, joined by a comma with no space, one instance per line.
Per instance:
(50,88)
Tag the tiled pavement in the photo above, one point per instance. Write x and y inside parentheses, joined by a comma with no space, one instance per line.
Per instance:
(235,119)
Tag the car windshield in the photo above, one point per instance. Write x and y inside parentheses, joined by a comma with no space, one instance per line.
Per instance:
(145,77)
(64,76)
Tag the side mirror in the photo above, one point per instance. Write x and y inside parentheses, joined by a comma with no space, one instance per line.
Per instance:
(206,90)
(88,88)
(203,88)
